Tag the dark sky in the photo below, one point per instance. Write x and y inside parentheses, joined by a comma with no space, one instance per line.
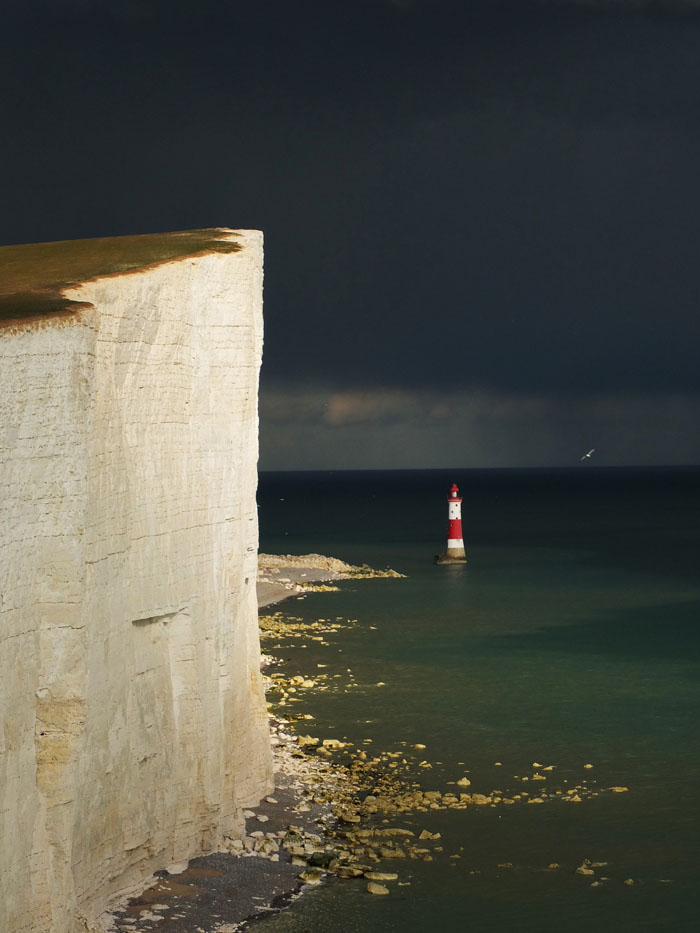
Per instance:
(481,218)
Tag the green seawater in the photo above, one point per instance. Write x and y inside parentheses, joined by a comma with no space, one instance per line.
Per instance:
(571,637)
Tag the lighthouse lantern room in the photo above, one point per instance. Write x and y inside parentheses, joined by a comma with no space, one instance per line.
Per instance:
(455,542)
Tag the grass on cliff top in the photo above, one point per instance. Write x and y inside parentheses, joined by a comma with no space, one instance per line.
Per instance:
(33,276)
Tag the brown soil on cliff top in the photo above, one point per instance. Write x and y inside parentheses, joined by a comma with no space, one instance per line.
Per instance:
(33,276)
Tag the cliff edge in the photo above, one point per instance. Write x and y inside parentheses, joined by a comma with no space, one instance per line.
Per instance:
(134,722)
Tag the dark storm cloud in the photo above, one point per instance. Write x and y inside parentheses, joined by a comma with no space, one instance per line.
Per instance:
(456,196)
(324,428)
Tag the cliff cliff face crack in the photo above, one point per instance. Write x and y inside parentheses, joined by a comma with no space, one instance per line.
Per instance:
(164,617)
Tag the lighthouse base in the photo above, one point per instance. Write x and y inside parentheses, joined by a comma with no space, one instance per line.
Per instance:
(450,558)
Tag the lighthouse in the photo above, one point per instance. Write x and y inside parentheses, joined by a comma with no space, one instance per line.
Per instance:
(455,543)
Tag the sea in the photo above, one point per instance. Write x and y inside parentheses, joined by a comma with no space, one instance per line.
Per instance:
(570,638)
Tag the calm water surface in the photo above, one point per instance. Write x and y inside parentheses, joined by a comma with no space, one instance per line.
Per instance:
(571,637)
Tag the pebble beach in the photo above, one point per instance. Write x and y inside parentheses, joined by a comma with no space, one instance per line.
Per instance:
(309,827)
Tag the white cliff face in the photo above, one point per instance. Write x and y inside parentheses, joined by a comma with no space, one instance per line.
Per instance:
(134,720)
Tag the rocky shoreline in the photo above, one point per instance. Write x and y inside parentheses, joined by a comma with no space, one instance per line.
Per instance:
(291,838)
(338,810)
(282,576)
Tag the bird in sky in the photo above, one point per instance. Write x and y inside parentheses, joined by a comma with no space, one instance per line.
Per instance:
(587,456)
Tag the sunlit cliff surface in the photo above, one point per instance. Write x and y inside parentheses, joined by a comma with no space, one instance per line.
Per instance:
(134,726)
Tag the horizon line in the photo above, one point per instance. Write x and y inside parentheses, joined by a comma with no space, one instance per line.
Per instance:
(448,469)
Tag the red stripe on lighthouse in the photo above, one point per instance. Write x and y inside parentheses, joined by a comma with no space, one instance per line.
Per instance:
(455,529)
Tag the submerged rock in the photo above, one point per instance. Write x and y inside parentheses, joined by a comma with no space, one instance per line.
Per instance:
(375,888)
(478,799)
(347,816)
(392,853)
(349,871)
(321,859)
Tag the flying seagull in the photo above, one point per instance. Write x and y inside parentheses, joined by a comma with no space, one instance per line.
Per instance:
(587,456)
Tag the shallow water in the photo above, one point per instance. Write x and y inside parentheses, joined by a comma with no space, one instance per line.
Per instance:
(571,637)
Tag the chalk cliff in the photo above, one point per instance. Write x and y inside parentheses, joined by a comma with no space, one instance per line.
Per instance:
(134,728)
